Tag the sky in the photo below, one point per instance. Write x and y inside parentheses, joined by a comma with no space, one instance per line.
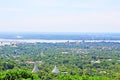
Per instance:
(59,15)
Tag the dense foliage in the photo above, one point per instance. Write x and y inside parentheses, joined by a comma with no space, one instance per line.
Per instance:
(17,74)
(75,61)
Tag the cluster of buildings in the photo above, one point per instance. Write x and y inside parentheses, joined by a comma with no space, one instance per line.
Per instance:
(4,43)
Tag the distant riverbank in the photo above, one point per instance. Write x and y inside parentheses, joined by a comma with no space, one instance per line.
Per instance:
(51,41)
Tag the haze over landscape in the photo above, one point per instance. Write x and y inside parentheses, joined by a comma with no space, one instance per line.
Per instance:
(60,16)
(59,39)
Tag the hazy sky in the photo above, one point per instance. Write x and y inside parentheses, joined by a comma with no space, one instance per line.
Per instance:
(60,15)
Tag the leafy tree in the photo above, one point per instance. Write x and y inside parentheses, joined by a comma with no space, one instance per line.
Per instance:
(18,74)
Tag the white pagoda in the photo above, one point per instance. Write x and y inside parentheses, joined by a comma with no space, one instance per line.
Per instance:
(55,70)
(35,69)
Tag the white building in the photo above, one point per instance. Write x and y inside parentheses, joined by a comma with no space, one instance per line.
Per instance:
(35,69)
(55,70)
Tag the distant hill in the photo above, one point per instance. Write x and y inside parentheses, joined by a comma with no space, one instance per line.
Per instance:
(62,36)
